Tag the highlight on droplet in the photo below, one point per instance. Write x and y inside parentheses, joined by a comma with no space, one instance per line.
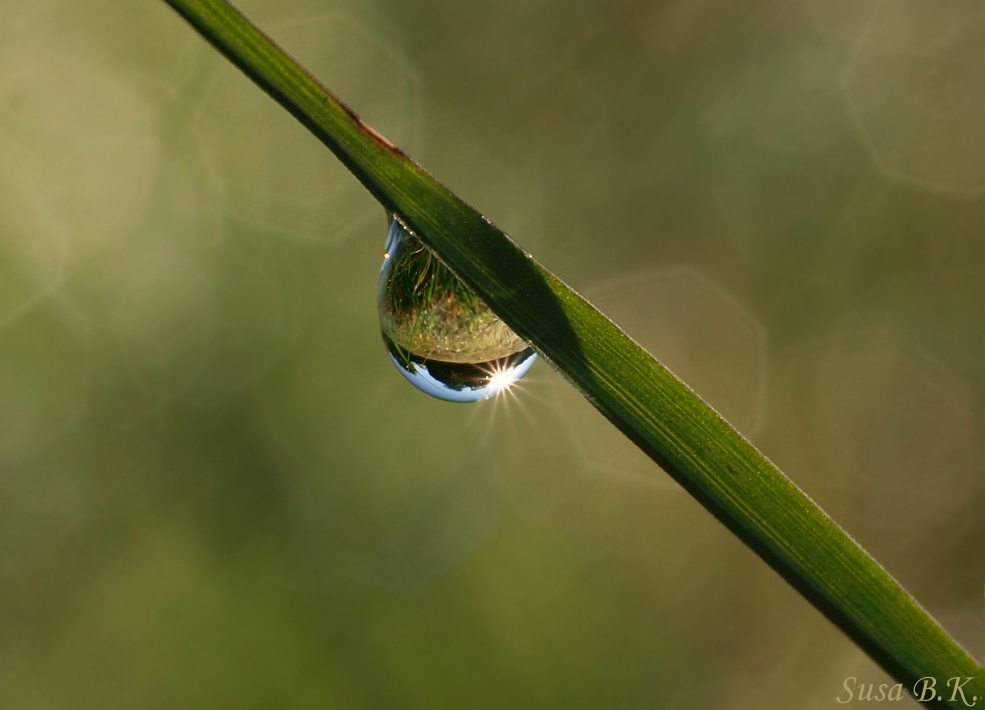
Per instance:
(438,333)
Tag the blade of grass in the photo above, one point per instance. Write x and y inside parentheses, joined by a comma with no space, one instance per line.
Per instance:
(687,438)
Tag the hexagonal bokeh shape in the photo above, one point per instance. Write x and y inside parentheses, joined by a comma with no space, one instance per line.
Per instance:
(32,254)
(276,175)
(44,375)
(901,435)
(916,88)
(786,101)
(78,139)
(696,329)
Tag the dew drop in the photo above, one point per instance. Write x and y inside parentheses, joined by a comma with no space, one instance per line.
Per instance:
(439,334)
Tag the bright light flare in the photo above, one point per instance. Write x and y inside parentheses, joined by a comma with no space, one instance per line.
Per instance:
(502,381)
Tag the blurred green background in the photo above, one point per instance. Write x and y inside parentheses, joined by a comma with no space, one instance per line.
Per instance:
(217,492)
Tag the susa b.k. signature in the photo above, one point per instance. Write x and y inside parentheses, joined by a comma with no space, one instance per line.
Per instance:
(924,690)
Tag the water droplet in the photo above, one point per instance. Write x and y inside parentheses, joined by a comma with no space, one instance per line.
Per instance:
(440,335)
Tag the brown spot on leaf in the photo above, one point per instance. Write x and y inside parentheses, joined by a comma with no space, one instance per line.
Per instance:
(373,133)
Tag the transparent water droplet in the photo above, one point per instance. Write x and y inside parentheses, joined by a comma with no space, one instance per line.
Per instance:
(439,334)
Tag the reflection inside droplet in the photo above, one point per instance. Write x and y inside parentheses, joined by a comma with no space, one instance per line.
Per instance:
(441,336)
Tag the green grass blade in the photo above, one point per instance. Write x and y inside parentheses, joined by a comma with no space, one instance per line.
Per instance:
(649,404)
